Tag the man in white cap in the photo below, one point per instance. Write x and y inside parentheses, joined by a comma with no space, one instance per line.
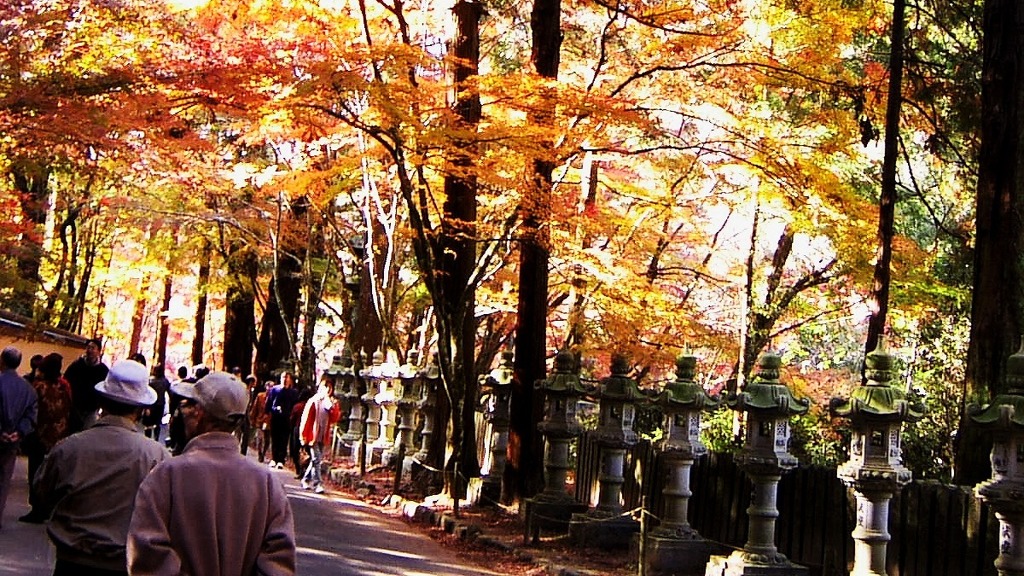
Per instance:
(211,511)
(89,480)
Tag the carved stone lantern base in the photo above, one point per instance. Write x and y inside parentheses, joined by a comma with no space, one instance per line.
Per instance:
(666,555)
(549,513)
(741,563)
(596,529)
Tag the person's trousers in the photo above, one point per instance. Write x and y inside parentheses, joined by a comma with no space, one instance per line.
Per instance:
(262,441)
(279,433)
(8,456)
(34,449)
(316,453)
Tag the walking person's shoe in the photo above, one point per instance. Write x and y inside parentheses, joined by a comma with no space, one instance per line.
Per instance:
(280,466)
(319,489)
(305,485)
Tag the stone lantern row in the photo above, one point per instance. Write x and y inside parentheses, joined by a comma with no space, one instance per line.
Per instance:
(876,411)
(381,422)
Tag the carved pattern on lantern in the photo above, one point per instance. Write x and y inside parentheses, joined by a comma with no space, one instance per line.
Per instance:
(682,402)
(562,390)
(497,387)
(876,411)
(769,405)
(1004,492)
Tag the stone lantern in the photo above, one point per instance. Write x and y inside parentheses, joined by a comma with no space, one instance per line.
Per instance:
(430,379)
(1004,492)
(386,399)
(371,375)
(409,387)
(497,387)
(562,390)
(617,395)
(335,372)
(769,405)
(875,470)
(674,547)
(350,386)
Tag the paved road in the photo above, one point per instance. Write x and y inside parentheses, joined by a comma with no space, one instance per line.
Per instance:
(335,536)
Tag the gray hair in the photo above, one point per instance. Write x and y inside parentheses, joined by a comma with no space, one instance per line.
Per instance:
(10,357)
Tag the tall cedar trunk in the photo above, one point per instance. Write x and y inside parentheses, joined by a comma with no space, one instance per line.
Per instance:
(31,183)
(887,198)
(202,285)
(276,345)
(276,333)
(138,316)
(240,312)
(459,250)
(161,338)
(315,278)
(996,306)
(367,334)
(524,471)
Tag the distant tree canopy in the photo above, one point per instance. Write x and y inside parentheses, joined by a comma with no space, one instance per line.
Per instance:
(613,177)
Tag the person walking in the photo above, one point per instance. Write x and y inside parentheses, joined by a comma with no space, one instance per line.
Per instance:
(87,483)
(316,428)
(259,420)
(52,424)
(211,511)
(280,401)
(18,409)
(153,416)
(82,375)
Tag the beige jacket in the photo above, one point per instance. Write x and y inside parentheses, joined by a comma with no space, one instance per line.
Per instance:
(89,481)
(211,512)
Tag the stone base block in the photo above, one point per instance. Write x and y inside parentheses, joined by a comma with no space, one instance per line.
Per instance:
(737,565)
(596,531)
(665,556)
(490,490)
(549,516)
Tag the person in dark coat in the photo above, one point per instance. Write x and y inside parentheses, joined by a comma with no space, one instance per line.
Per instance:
(280,401)
(54,409)
(152,418)
(82,375)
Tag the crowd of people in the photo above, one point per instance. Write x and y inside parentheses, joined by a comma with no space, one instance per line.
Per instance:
(135,474)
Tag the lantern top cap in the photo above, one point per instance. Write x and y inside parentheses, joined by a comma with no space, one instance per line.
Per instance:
(1006,410)
(563,380)
(618,385)
(684,392)
(767,394)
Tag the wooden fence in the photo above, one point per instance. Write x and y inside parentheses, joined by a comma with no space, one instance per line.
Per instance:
(937,529)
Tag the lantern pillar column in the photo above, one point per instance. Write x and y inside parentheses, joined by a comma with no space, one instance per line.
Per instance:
(552,508)
(768,405)
(606,526)
(1004,419)
(674,547)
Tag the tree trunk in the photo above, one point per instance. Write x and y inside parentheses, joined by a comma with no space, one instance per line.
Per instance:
(202,284)
(997,318)
(458,262)
(524,470)
(165,309)
(879,298)
(32,184)
(240,313)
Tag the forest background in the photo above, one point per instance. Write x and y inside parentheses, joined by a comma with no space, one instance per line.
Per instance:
(268,183)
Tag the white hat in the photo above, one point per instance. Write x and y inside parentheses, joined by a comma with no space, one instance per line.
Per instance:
(127,382)
(220,394)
